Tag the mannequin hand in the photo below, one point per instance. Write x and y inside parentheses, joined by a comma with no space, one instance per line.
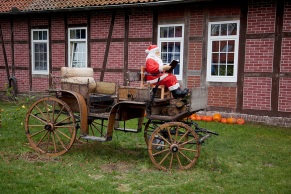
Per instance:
(166,67)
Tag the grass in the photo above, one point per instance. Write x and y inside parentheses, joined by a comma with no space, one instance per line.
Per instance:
(248,158)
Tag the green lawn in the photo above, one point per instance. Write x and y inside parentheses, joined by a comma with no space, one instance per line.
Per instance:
(248,158)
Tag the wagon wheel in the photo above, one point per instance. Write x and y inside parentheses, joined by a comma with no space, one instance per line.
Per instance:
(50,126)
(97,127)
(174,145)
(150,127)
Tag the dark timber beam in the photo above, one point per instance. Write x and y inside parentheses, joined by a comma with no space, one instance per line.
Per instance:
(241,54)
(108,42)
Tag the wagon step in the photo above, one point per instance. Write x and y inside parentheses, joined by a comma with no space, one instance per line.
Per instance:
(128,130)
(93,138)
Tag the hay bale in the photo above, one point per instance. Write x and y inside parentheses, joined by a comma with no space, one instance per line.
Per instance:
(67,72)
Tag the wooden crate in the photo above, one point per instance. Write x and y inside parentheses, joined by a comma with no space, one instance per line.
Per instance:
(83,89)
(133,93)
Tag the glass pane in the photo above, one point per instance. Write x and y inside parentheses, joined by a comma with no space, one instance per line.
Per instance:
(170,47)
(40,37)
(177,47)
(36,66)
(223,58)
(178,32)
(72,34)
(36,57)
(164,46)
(230,70)
(163,32)
(41,49)
(215,46)
(78,34)
(177,57)
(232,29)
(35,35)
(36,47)
(170,58)
(41,58)
(223,29)
(83,33)
(223,46)
(215,29)
(215,58)
(44,35)
(230,58)
(222,70)
(164,57)
(214,69)
(231,46)
(177,70)
(171,32)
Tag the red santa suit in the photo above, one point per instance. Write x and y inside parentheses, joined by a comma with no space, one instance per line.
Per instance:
(154,69)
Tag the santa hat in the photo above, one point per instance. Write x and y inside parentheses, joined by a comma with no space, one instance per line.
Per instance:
(152,48)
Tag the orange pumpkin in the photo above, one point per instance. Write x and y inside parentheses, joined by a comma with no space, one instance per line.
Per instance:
(198,118)
(216,117)
(193,117)
(208,118)
(231,120)
(204,118)
(240,121)
(223,120)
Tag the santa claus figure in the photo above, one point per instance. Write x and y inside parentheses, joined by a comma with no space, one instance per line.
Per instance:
(156,73)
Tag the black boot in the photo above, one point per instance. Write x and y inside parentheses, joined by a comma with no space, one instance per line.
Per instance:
(178,93)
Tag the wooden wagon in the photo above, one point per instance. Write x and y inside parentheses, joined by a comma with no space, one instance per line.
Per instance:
(84,109)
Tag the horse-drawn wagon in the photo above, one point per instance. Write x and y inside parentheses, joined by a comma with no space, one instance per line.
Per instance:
(84,109)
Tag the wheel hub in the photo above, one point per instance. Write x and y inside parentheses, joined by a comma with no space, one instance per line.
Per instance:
(174,148)
(49,127)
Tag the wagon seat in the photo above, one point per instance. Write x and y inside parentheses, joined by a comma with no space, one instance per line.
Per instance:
(82,80)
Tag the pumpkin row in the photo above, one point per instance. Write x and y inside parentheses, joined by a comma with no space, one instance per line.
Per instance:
(217,118)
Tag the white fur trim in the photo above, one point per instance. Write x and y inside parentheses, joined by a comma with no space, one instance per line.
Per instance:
(156,80)
(174,87)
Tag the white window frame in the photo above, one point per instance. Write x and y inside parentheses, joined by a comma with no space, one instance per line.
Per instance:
(72,40)
(33,42)
(235,38)
(175,39)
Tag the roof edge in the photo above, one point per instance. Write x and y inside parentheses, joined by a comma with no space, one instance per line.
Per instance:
(14,10)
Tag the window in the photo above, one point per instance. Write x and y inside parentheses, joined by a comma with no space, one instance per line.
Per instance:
(40,52)
(77,47)
(222,55)
(170,40)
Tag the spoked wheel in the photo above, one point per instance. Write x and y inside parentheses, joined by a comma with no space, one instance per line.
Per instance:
(97,127)
(50,126)
(174,145)
(150,127)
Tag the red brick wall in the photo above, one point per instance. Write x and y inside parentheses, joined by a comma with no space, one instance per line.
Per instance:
(58,53)
(257,93)
(140,24)
(137,54)
(259,55)
(58,27)
(223,10)
(100,22)
(116,55)
(286,55)
(220,96)
(285,95)
(287,17)
(261,16)
(196,22)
